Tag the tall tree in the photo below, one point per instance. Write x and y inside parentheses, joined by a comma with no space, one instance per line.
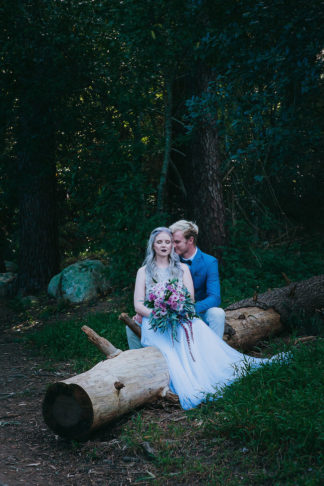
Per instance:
(205,181)
(48,50)
(165,36)
(264,94)
(38,254)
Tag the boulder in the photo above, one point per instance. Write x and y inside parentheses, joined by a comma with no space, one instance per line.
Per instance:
(81,282)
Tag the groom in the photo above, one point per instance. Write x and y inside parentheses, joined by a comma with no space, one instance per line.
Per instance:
(204,272)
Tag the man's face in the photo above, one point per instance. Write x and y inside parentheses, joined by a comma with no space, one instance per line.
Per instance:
(181,244)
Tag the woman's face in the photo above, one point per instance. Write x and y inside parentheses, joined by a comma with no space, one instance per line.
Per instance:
(162,244)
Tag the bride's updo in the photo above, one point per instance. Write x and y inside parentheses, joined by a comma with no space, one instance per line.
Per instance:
(174,260)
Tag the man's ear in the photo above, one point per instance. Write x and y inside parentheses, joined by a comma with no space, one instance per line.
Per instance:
(191,239)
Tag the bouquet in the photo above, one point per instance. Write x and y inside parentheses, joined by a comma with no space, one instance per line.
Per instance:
(172,307)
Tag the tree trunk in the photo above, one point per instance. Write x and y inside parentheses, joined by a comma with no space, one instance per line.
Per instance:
(2,264)
(167,144)
(38,239)
(206,193)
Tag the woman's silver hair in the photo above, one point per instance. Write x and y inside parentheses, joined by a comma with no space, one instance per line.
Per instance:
(151,268)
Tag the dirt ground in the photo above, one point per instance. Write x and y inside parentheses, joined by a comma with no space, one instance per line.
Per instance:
(30,453)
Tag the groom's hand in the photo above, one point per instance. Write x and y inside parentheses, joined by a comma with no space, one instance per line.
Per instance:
(137,318)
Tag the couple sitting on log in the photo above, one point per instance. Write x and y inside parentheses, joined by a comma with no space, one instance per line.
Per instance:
(188,335)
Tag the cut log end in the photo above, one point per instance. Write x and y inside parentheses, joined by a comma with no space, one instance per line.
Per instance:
(67,410)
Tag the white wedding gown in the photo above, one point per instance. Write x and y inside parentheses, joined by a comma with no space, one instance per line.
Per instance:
(215,363)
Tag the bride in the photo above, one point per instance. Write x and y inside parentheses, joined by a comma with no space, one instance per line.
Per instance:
(205,363)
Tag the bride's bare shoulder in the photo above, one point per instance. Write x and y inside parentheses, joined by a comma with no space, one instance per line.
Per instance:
(185,268)
(140,277)
(141,271)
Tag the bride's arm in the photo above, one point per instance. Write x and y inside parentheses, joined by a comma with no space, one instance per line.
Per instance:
(187,280)
(139,294)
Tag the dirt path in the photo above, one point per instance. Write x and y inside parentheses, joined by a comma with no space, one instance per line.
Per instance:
(31,454)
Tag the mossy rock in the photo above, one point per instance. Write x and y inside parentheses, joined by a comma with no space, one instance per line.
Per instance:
(83,281)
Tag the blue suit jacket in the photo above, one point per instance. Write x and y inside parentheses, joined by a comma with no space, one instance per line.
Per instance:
(204,272)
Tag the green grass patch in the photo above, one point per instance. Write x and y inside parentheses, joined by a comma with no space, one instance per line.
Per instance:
(64,340)
(266,429)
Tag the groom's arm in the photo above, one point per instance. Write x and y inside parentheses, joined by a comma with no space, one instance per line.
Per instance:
(212,298)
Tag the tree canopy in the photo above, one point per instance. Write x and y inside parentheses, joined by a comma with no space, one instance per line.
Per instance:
(120,116)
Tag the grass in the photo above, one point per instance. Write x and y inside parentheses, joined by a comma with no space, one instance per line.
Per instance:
(64,340)
(267,429)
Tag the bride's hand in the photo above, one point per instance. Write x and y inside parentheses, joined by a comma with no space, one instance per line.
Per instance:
(138,318)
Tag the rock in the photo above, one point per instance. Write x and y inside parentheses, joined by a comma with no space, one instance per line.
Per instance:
(8,284)
(53,286)
(81,282)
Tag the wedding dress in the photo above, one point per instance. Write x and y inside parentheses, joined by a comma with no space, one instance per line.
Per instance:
(215,363)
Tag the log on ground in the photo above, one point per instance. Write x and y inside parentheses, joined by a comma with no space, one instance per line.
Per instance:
(250,325)
(77,406)
(306,296)
(250,321)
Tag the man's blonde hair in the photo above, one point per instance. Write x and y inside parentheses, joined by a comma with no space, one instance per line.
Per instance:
(188,228)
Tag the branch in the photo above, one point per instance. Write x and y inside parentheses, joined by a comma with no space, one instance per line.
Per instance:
(101,343)
(130,323)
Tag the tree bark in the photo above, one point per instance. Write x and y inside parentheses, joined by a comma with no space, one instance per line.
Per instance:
(2,264)
(305,296)
(131,324)
(38,239)
(206,200)
(167,144)
(247,326)
(101,343)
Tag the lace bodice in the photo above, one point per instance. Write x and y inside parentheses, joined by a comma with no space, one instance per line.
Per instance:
(162,275)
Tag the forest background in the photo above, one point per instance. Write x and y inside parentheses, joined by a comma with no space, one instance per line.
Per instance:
(121,116)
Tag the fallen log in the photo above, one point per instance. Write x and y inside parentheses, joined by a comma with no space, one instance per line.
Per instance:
(251,325)
(265,315)
(244,327)
(307,295)
(77,406)
(250,321)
